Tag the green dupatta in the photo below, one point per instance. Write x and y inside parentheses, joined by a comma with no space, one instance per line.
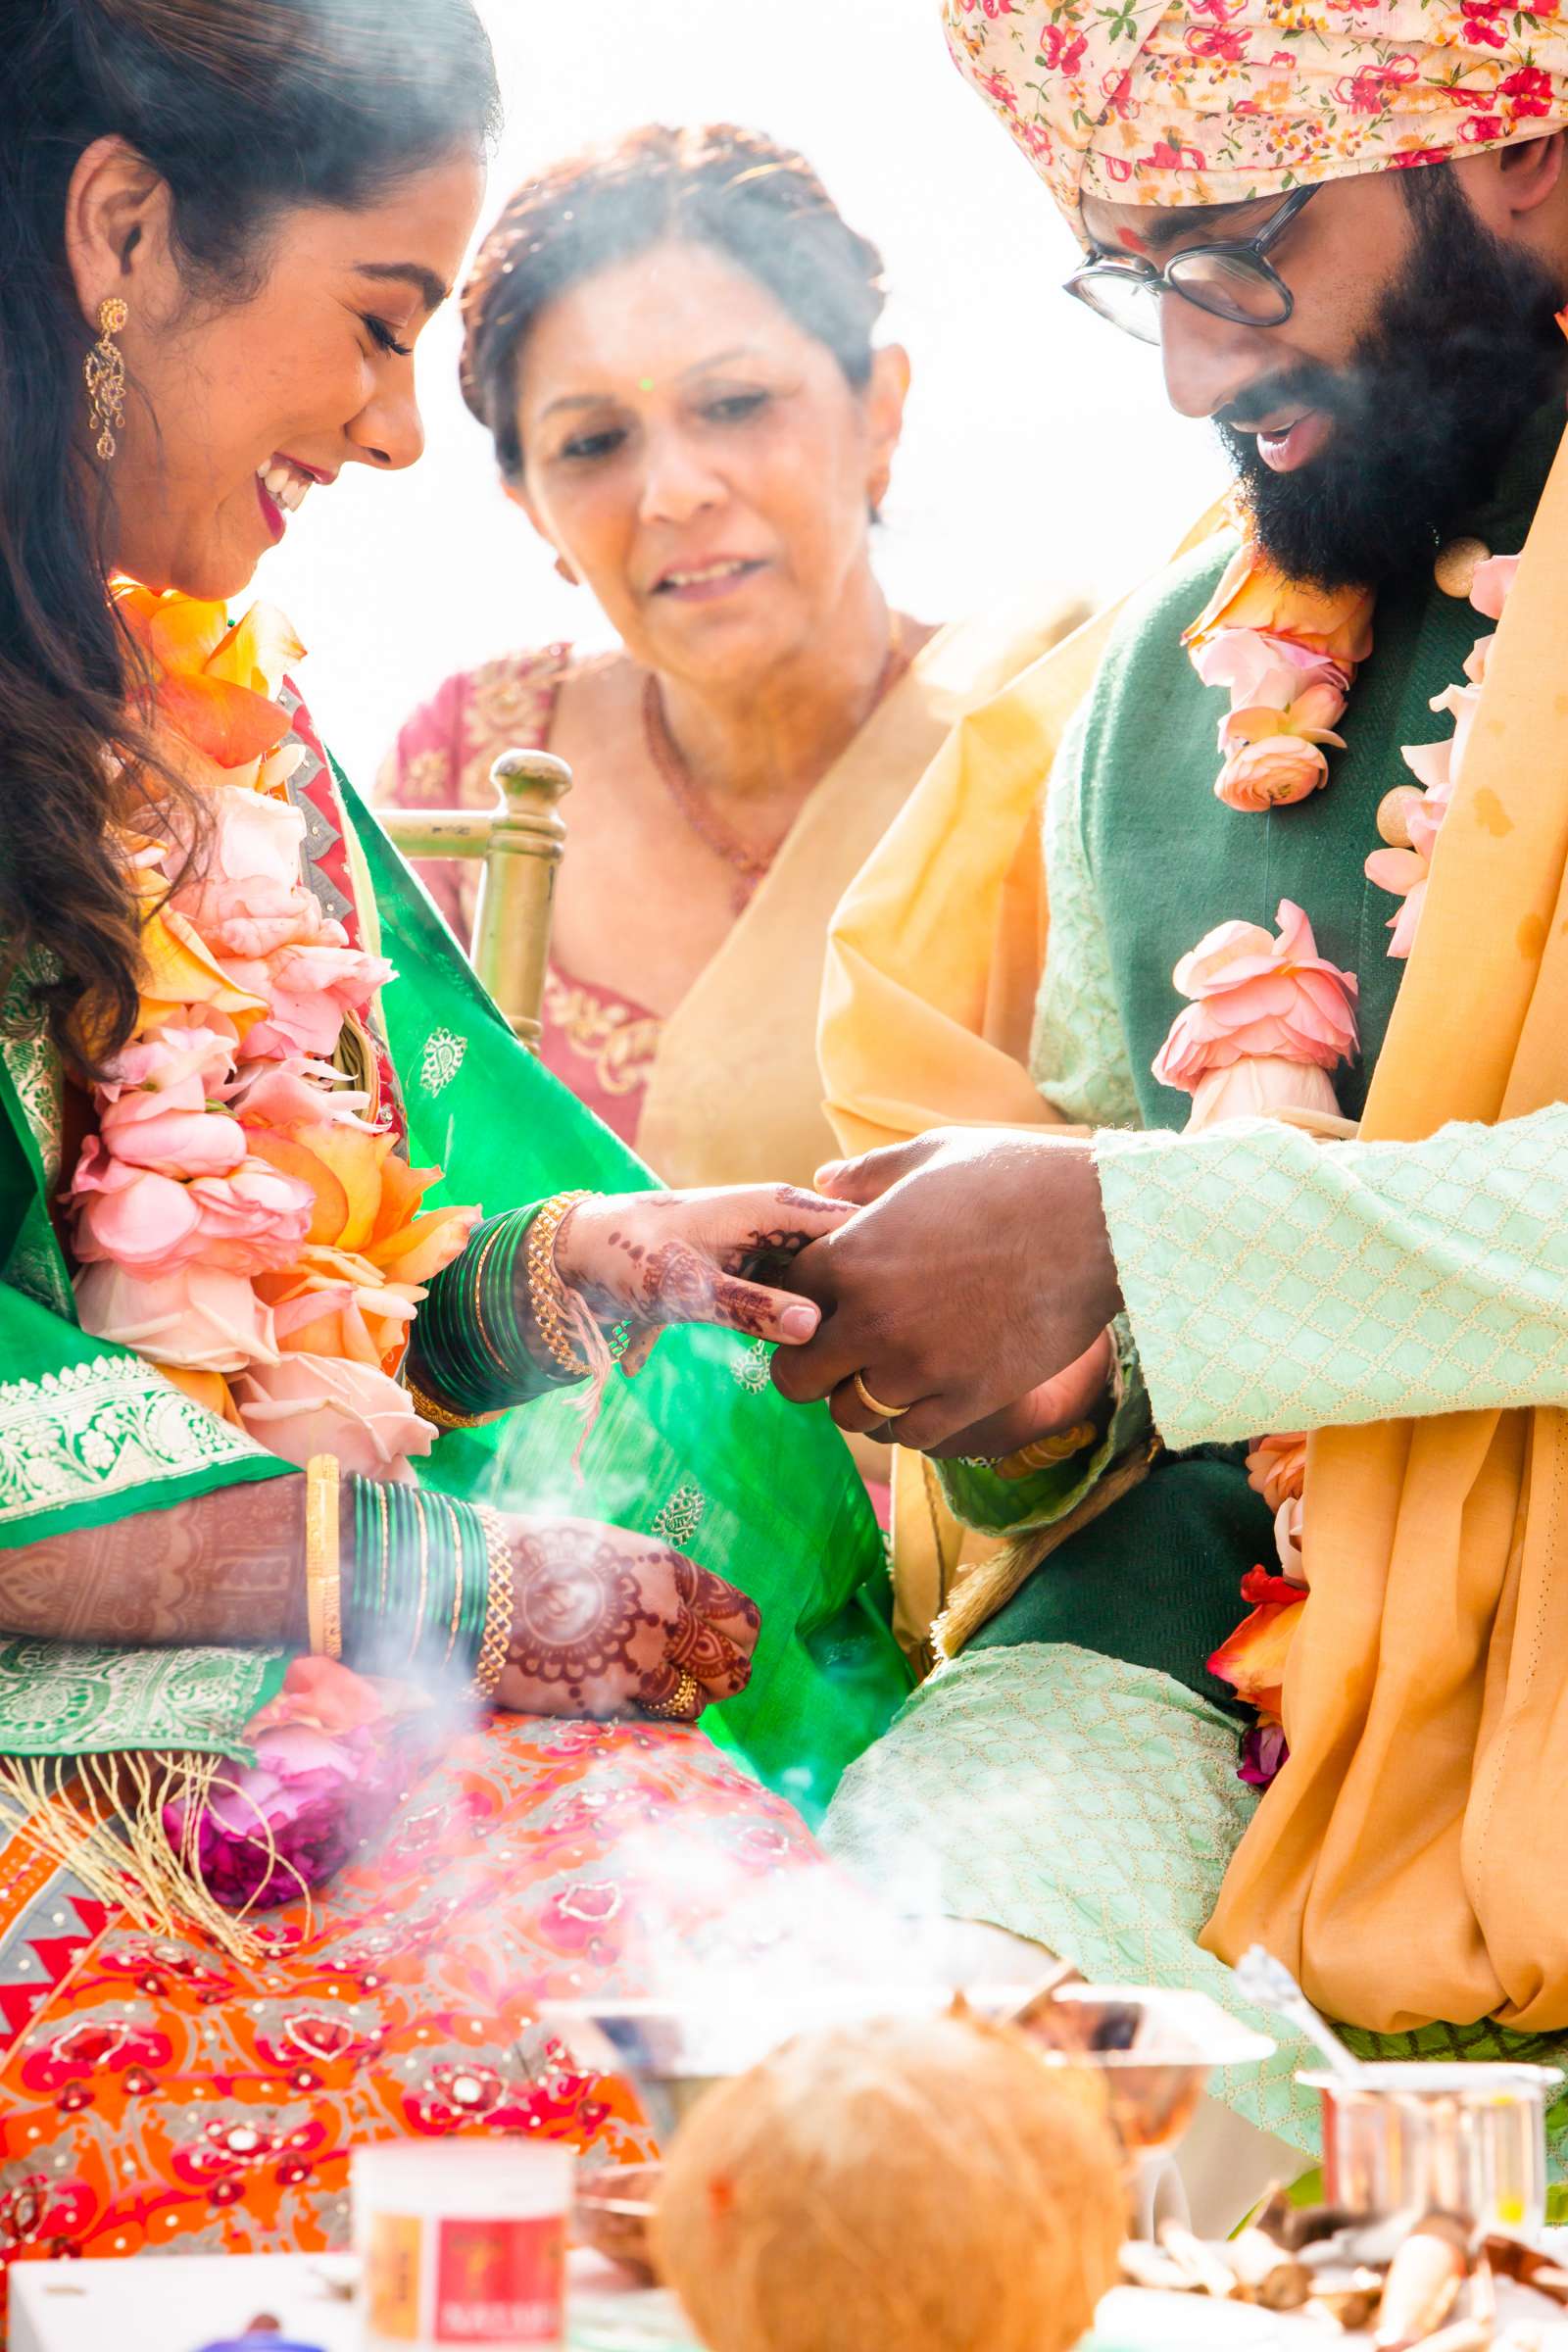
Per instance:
(700,1450)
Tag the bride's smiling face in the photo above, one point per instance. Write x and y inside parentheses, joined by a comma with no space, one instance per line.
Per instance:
(245,397)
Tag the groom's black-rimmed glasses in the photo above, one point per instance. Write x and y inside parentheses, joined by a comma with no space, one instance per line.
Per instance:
(1232,279)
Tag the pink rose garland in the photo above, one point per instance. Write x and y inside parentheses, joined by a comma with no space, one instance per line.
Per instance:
(1285,703)
(1268,1019)
(195,1247)
(1410,821)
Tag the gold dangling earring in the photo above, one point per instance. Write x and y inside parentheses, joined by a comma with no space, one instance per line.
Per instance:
(104,369)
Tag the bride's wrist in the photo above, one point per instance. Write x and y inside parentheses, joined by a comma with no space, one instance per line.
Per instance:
(549,1302)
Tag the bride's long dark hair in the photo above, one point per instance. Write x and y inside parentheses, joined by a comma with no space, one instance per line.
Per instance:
(245,108)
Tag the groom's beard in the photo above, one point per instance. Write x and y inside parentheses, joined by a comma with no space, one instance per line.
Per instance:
(1465,346)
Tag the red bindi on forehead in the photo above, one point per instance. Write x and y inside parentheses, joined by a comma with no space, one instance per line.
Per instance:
(1130,241)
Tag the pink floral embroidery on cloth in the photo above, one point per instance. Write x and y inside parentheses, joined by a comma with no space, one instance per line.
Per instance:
(1220,101)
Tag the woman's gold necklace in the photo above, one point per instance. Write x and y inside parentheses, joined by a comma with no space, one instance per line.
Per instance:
(749,865)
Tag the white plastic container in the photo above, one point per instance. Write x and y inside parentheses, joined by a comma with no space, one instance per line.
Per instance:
(462,2243)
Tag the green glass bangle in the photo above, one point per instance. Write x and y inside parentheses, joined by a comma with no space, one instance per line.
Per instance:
(417,1583)
(469,1349)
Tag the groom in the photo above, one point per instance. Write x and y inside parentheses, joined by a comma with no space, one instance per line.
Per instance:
(1348,233)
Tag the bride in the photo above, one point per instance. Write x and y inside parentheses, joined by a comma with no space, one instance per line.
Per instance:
(289,1226)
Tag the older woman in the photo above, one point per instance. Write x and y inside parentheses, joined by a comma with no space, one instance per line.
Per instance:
(674,343)
(286,1582)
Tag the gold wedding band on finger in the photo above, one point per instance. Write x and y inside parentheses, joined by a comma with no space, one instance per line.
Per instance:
(874,1405)
(684,1703)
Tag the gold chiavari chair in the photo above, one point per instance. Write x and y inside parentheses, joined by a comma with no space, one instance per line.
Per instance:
(519,842)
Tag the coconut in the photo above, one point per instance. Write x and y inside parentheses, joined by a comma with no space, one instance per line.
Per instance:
(926,2183)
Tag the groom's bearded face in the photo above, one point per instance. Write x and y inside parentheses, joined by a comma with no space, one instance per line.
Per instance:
(1462,345)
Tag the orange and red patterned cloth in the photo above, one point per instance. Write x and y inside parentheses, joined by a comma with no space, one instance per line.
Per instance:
(156,2096)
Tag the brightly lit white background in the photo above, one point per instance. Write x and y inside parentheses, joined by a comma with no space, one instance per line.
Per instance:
(1039,453)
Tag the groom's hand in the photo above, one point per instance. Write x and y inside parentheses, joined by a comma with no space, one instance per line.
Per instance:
(978,1267)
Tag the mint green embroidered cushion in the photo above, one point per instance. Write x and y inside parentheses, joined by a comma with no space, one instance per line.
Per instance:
(1092,1806)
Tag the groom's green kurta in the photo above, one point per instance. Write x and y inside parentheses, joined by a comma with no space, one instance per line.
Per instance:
(1144,860)
(699,1450)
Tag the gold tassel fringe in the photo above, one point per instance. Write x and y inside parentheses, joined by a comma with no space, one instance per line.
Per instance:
(102,1818)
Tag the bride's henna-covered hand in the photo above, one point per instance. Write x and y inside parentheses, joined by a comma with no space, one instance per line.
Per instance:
(716,1256)
(606,1622)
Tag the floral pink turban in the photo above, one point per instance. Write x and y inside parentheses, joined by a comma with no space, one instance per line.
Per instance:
(1215,101)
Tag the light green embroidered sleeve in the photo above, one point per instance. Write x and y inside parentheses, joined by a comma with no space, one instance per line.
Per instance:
(1079,1061)
(1278,1283)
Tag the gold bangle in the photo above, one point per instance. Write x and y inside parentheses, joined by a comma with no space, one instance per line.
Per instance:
(1042,1453)
(324,1578)
(495,1641)
(546,1290)
(425,1405)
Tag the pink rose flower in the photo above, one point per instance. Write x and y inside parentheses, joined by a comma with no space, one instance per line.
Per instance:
(1287,1539)
(1430,763)
(1276,1467)
(202,1318)
(312,990)
(1252,994)
(271,934)
(153,1225)
(1272,772)
(145,1131)
(294,1817)
(187,1062)
(1406,872)
(249,920)
(330,1697)
(1264,669)
(154,1103)
(1489,590)
(297,1093)
(255,838)
(1285,702)
(1461,702)
(306,1404)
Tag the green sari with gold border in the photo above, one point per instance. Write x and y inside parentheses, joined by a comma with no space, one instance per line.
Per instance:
(699,1450)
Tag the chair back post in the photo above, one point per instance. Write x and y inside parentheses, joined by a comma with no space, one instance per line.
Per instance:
(520,842)
(517,894)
